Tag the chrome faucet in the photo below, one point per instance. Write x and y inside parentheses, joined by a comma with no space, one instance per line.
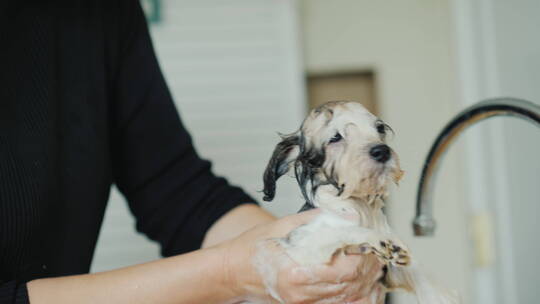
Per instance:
(424,224)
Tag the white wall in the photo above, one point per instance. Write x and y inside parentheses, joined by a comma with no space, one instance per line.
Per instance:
(500,56)
(409,45)
(517,24)
(234,71)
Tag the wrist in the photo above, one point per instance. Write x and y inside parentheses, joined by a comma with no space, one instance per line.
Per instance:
(228,270)
(237,271)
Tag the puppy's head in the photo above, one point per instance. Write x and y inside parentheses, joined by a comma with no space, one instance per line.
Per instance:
(339,144)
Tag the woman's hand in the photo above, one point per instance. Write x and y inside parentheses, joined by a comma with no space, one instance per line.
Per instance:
(347,279)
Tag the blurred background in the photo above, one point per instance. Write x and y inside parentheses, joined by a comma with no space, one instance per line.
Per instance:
(242,70)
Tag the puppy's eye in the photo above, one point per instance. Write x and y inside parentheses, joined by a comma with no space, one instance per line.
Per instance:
(336,138)
(381,128)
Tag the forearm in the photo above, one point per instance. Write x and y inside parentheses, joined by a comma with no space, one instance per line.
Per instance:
(196,277)
(235,222)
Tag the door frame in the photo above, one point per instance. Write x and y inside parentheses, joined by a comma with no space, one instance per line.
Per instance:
(487,190)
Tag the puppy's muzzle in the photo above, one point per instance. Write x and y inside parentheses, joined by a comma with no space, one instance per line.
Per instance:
(380,153)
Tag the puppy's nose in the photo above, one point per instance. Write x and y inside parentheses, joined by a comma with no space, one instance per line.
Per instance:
(380,153)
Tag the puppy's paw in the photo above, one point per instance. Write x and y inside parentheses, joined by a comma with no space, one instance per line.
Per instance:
(393,254)
(388,252)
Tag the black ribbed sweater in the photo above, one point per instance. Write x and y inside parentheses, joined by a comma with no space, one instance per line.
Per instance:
(83,105)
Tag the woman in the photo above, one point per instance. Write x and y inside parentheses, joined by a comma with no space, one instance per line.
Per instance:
(83,105)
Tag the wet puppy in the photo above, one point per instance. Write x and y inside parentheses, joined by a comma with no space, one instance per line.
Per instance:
(343,165)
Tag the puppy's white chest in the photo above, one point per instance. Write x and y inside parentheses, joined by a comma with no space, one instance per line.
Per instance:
(317,241)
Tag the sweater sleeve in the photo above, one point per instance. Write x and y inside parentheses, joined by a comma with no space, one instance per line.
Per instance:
(13,292)
(171,191)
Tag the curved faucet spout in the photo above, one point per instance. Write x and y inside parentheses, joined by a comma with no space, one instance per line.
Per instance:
(424,224)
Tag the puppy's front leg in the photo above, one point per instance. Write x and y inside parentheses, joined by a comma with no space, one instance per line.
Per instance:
(388,252)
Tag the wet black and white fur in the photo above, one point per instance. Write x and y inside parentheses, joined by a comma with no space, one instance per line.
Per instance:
(343,166)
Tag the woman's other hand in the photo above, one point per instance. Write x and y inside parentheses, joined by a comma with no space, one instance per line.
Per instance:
(346,279)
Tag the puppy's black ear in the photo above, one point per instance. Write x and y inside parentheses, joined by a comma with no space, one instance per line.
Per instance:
(284,154)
